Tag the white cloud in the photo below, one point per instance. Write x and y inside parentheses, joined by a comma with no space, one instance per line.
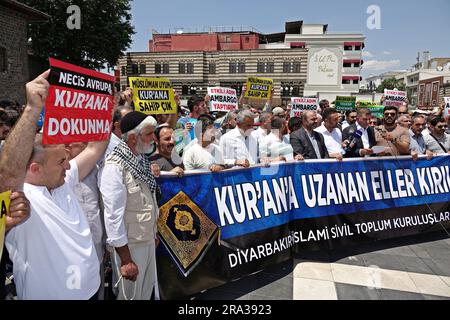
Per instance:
(378,65)
(387,53)
(367,54)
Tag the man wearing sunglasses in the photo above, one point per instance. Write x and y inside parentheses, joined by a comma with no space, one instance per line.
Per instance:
(438,141)
(395,138)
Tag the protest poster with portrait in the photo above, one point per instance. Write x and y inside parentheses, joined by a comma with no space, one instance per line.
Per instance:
(447,107)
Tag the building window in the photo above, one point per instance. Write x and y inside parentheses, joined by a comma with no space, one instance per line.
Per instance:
(356,64)
(265,67)
(247,39)
(286,67)
(345,81)
(287,90)
(142,69)
(260,67)
(166,68)
(232,67)
(190,67)
(348,48)
(181,67)
(355,81)
(357,48)
(157,67)
(212,67)
(185,90)
(297,66)
(134,69)
(347,65)
(123,71)
(241,67)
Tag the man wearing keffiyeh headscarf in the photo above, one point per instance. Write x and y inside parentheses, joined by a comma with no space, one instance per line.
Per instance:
(131,211)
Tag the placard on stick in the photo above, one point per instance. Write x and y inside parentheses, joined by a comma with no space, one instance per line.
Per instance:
(79,105)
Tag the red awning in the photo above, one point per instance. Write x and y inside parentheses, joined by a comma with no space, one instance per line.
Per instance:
(297,44)
(353,43)
(350,78)
(353,61)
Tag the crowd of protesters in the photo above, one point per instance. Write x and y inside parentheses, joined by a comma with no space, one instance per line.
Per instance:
(81,209)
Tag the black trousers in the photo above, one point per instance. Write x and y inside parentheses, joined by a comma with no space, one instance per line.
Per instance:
(3,274)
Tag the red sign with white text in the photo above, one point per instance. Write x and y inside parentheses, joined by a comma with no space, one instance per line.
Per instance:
(79,105)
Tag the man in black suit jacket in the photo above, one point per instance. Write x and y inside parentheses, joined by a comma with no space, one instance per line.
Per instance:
(357,148)
(306,142)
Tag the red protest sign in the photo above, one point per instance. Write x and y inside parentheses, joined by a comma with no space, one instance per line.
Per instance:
(79,105)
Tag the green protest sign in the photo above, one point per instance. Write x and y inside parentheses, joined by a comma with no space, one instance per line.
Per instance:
(345,103)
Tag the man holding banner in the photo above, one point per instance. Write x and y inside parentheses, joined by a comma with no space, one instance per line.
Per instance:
(131,208)
(238,146)
(53,252)
(359,137)
(13,162)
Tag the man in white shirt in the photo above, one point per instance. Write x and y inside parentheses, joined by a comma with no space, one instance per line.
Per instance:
(53,252)
(331,134)
(204,153)
(273,148)
(264,127)
(238,146)
(129,194)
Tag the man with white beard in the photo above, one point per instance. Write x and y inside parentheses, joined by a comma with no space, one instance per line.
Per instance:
(131,210)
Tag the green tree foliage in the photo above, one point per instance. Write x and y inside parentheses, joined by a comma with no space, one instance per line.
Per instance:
(391,84)
(104,35)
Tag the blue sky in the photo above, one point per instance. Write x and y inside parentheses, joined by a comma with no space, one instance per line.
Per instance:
(407,27)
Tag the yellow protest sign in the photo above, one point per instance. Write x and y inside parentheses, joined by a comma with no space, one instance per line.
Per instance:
(259,88)
(4,201)
(153,95)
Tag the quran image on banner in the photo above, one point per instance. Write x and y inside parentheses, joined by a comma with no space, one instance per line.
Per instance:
(394,98)
(343,104)
(79,105)
(300,105)
(219,227)
(222,99)
(375,109)
(259,88)
(4,208)
(447,107)
(153,95)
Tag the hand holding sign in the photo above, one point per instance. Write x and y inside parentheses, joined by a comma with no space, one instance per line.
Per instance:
(37,91)
(4,209)
(19,210)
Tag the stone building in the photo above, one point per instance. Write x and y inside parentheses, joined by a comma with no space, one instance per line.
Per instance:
(14,70)
(305,60)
